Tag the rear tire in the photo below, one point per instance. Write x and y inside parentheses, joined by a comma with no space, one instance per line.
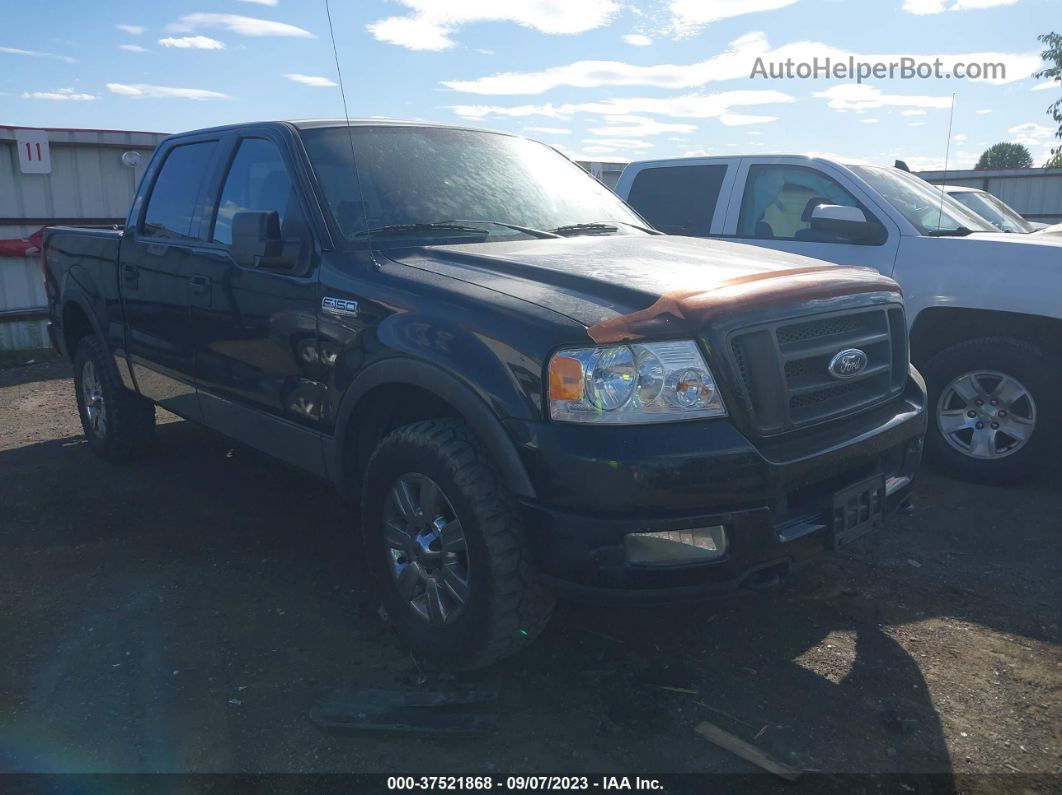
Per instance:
(118,423)
(459,535)
(967,436)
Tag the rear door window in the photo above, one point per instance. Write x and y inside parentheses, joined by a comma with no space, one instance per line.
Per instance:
(679,200)
(171,208)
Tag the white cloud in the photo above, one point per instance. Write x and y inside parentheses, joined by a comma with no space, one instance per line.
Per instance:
(741,119)
(870,121)
(982,111)
(1031,132)
(689,16)
(693,106)
(858,97)
(618,143)
(549,130)
(917,124)
(135,30)
(923,7)
(192,43)
(133,48)
(632,126)
(637,40)
(311,80)
(913,112)
(959,138)
(244,26)
(1044,86)
(261,2)
(36,54)
(147,91)
(62,95)
(430,23)
(734,63)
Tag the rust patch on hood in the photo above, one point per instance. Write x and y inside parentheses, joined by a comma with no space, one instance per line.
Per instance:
(687,310)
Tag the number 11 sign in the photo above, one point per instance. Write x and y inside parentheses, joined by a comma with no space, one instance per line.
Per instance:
(33,154)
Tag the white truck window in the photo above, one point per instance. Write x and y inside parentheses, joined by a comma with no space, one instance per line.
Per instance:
(778,201)
(679,200)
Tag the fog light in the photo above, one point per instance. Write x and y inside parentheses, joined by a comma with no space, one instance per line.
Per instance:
(692,545)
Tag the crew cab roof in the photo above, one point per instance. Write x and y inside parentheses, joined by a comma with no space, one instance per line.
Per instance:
(758,155)
(309,124)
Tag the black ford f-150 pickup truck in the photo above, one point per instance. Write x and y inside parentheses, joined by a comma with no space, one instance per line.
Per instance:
(528,389)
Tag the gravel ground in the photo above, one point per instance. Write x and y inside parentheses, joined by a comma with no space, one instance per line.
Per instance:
(184,614)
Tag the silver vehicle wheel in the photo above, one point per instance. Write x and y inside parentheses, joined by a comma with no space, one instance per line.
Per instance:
(92,392)
(427,549)
(986,414)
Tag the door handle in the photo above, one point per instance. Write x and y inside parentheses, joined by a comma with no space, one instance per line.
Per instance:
(130,274)
(200,284)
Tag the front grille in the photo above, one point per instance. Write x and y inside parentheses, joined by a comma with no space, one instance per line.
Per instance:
(784,366)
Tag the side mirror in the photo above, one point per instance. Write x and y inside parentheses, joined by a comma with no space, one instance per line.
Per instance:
(256,237)
(846,222)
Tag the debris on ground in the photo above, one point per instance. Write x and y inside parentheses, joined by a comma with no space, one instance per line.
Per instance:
(746,750)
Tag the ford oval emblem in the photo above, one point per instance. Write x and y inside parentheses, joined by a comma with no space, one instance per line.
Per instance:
(848,363)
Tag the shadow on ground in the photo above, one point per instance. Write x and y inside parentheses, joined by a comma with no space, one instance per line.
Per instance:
(184,613)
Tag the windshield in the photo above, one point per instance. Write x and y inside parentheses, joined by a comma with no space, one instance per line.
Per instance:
(453,179)
(992,210)
(924,205)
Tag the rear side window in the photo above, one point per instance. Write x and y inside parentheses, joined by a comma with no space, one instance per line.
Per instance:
(258,181)
(171,208)
(679,200)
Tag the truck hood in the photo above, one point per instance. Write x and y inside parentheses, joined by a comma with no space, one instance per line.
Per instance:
(626,286)
(1049,242)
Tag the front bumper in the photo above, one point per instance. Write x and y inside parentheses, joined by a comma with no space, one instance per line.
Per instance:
(596,485)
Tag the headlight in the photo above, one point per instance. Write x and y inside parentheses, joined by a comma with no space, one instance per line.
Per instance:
(632,384)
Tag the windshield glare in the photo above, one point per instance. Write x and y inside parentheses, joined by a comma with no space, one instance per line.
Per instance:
(924,205)
(427,175)
(992,210)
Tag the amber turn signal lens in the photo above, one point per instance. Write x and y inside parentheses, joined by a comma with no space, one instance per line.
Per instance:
(565,379)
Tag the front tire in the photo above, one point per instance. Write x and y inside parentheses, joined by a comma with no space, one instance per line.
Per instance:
(117,422)
(446,543)
(994,410)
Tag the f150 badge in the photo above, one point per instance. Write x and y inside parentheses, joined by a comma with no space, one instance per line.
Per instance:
(848,363)
(339,306)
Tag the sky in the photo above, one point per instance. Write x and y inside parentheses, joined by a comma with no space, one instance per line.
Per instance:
(607,80)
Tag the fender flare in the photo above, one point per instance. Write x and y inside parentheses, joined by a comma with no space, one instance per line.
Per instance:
(78,298)
(434,379)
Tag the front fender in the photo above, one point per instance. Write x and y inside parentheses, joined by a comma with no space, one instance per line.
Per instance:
(472,408)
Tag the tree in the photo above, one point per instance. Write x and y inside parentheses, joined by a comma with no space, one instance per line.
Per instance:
(1055,160)
(1053,55)
(1004,155)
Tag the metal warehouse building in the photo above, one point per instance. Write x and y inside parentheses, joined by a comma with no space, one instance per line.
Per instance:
(55,176)
(1036,193)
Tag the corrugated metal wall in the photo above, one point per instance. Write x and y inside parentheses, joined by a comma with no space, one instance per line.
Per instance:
(87,183)
(1036,193)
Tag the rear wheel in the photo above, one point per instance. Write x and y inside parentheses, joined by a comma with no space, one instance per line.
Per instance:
(994,404)
(117,422)
(446,543)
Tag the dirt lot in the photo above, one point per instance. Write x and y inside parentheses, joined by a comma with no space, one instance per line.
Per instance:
(184,614)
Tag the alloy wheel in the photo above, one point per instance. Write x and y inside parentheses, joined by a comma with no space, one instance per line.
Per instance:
(427,549)
(92,394)
(986,414)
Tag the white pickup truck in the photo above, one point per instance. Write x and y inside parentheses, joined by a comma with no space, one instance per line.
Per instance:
(984,308)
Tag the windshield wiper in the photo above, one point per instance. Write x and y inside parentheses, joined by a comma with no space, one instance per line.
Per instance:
(961,231)
(598,228)
(527,230)
(589,229)
(440,226)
